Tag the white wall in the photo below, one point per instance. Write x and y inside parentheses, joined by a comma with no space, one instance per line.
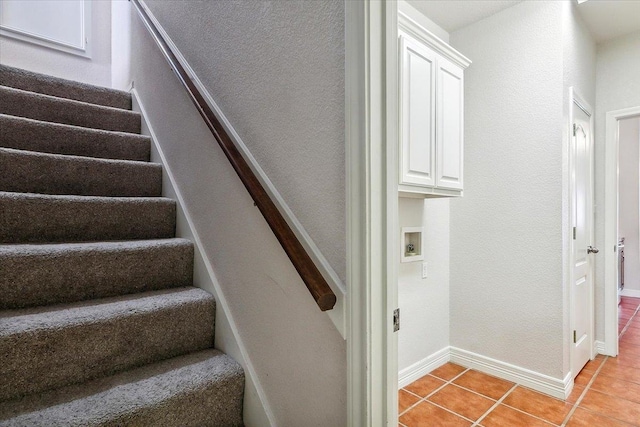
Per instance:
(506,232)
(579,71)
(286,99)
(121,44)
(617,87)
(424,303)
(276,69)
(94,70)
(629,222)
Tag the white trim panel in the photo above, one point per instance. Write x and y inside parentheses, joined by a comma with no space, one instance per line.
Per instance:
(423,367)
(256,407)
(534,380)
(337,314)
(81,49)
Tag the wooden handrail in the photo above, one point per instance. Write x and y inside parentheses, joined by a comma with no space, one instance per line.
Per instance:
(311,276)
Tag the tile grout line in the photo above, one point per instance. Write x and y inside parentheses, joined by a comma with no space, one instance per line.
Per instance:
(495,405)
(626,326)
(424,399)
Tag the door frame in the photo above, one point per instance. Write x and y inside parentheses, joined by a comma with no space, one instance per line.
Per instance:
(577,101)
(371,138)
(612,152)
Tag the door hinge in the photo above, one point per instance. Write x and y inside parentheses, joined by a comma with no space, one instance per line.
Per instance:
(574,233)
(574,337)
(396,320)
(575,129)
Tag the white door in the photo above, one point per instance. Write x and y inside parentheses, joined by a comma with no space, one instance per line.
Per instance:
(417,105)
(582,251)
(450,128)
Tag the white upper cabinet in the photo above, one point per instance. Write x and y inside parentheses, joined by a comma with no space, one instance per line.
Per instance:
(431,114)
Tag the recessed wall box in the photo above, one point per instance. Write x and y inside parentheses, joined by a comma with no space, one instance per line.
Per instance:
(411,244)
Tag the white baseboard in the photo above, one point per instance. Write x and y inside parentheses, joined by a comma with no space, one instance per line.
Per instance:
(256,406)
(423,367)
(634,293)
(600,348)
(534,380)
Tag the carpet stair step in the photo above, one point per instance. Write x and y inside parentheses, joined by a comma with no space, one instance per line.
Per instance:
(44,348)
(46,274)
(39,218)
(33,172)
(17,102)
(34,135)
(197,390)
(48,85)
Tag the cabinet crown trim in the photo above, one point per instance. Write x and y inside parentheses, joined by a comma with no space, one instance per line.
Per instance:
(417,31)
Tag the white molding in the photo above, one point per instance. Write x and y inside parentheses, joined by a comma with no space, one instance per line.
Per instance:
(611,228)
(84,50)
(221,301)
(634,293)
(372,225)
(337,314)
(600,348)
(423,367)
(443,48)
(534,380)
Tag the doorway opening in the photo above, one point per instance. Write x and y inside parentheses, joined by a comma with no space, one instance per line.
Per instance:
(620,182)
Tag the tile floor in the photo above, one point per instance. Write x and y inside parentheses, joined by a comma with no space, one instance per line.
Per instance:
(606,392)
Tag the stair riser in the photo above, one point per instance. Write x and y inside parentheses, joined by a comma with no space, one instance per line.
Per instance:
(25,80)
(45,137)
(38,360)
(39,107)
(47,275)
(27,172)
(33,219)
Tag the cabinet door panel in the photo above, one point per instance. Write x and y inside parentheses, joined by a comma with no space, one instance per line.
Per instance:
(417,107)
(450,128)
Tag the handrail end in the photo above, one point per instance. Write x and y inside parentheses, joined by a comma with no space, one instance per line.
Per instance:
(327,301)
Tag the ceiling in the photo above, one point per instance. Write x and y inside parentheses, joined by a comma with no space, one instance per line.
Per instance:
(606,19)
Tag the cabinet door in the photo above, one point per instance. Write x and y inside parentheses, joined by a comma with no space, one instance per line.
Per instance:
(450,125)
(417,112)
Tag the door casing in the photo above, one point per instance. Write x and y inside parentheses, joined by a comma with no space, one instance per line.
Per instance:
(610,345)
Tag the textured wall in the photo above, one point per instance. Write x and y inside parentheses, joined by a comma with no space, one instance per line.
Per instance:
(424,303)
(298,355)
(579,71)
(506,241)
(617,87)
(96,70)
(276,69)
(629,175)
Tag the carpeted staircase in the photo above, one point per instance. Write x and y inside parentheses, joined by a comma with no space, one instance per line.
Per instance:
(100,324)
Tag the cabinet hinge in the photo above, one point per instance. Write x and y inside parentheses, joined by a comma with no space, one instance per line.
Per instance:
(396,320)
(574,337)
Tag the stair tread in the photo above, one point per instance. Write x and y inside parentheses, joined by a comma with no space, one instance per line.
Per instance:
(56,86)
(35,172)
(53,346)
(33,105)
(58,138)
(64,315)
(29,217)
(165,393)
(65,247)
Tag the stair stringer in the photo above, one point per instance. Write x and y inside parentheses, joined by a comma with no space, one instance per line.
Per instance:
(256,410)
